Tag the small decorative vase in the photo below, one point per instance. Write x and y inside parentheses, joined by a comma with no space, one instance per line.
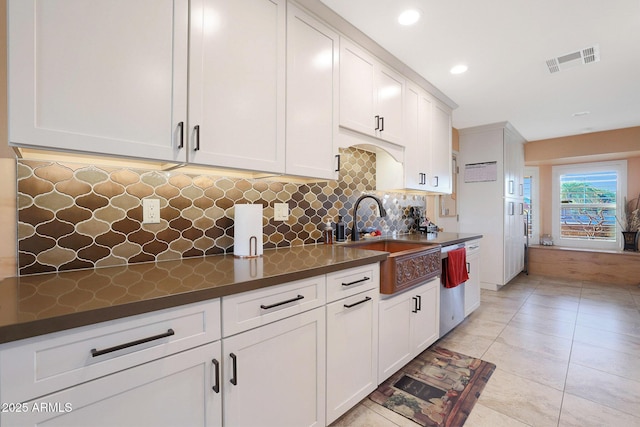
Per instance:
(630,240)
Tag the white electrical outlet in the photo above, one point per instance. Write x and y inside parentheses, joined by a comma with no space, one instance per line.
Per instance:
(280,211)
(150,211)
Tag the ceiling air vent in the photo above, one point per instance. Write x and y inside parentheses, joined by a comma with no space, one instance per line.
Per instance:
(584,56)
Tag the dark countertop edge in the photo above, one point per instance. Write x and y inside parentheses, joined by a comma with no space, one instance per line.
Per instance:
(34,328)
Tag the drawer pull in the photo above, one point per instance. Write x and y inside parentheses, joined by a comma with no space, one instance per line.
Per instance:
(96,353)
(267,307)
(357,303)
(357,281)
(234,360)
(216,366)
(181,130)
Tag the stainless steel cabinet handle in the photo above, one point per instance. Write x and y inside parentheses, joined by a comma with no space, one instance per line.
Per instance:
(338,167)
(415,304)
(377,123)
(381,124)
(96,353)
(267,307)
(357,303)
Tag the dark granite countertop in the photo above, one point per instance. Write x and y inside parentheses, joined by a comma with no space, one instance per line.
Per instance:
(45,303)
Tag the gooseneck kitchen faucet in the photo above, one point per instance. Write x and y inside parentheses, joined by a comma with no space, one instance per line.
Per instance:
(354,232)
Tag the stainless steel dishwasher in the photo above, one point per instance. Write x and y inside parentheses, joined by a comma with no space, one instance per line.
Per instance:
(451,299)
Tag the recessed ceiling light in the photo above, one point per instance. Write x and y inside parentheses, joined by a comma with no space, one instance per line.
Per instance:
(459,69)
(581,113)
(409,17)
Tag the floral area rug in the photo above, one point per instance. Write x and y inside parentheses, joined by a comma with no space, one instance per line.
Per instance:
(437,388)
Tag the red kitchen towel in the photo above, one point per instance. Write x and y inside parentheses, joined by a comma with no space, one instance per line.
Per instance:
(456,268)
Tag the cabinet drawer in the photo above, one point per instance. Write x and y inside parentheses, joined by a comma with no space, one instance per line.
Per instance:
(344,283)
(251,309)
(41,365)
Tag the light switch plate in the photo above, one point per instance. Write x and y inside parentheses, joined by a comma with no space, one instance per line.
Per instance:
(150,211)
(281,212)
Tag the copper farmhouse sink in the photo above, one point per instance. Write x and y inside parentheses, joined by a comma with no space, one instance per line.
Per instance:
(408,264)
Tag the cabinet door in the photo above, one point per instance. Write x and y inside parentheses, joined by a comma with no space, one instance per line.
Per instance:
(352,351)
(357,82)
(472,286)
(175,390)
(389,105)
(425,324)
(312,95)
(415,159)
(274,375)
(394,333)
(237,84)
(104,77)
(440,158)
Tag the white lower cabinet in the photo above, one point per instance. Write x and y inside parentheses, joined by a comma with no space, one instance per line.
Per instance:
(352,350)
(171,391)
(408,324)
(284,358)
(472,286)
(274,375)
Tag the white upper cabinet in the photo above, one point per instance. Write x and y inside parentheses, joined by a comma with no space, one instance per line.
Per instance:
(427,152)
(415,152)
(237,84)
(104,77)
(439,179)
(312,96)
(371,95)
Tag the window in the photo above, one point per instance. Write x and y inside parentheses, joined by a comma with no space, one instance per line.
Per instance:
(532,204)
(587,199)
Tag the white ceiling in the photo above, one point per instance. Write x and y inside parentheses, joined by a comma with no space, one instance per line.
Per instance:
(506,44)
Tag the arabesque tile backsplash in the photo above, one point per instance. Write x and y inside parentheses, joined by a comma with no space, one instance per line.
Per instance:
(74,216)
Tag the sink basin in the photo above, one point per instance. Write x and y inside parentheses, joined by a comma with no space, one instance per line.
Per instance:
(408,264)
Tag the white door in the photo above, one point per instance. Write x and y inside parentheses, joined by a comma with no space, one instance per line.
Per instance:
(415,160)
(395,342)
(274,375)
(100,77)
(389,105)
(177,390)
(472,286)
(352,350)
(440,179)
(312,96)
(237,84)
(357,87)
(425,324)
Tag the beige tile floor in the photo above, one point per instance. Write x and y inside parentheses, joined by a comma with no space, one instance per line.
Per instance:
(567,354)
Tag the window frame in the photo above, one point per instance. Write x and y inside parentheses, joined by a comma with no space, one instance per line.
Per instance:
(620,166)
(534,173)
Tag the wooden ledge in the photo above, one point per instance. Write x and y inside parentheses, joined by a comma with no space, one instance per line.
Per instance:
(622,267)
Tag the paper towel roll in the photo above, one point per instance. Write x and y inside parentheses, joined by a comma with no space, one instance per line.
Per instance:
(247,232)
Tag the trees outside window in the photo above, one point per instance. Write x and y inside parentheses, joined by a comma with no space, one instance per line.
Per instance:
(587,200)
